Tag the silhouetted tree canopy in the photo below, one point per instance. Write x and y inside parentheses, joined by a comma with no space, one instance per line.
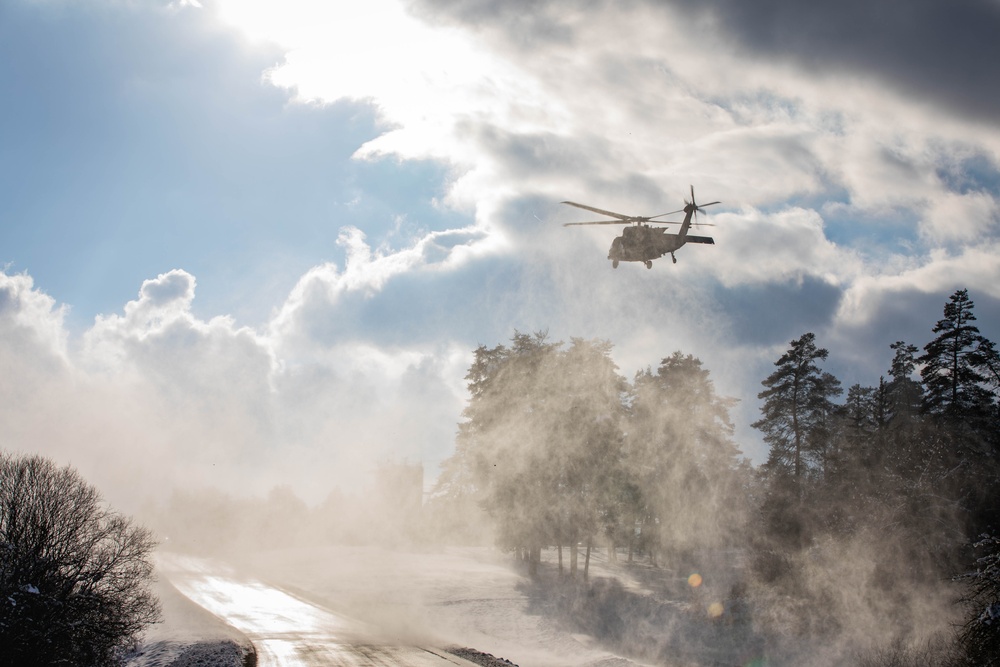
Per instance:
(797,408)
(980,633)
(73,574)
(954,366)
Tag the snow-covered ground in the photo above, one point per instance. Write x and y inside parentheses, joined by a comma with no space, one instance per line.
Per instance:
(624,616)
(189,636)
(480,598)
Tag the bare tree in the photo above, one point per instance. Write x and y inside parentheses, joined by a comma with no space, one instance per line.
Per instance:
(73,573)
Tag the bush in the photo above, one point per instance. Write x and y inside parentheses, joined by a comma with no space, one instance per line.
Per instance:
(979,637)
(74,575)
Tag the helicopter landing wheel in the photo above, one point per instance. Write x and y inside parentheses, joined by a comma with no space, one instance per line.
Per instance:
(614,264)
(673,258)
(648,264)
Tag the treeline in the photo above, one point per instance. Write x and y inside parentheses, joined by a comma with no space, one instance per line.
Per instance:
(863,508)
(871,505)
(561,450)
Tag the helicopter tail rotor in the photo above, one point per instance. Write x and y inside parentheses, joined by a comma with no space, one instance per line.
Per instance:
(694,206)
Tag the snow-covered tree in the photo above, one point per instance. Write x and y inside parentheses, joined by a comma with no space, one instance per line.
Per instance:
(980,634)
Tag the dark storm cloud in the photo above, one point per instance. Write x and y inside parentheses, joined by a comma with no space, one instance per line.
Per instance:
(768,314)
(943,51)
(528,22)
(907,315)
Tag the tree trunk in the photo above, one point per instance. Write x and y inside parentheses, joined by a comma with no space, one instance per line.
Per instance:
(586,561)
(559,548)
(572,559)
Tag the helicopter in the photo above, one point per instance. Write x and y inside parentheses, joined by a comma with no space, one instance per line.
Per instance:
(639,241)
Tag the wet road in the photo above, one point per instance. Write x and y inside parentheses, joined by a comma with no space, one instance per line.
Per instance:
(288,631)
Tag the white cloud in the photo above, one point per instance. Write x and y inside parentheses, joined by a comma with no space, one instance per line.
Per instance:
(156,396)
(974,268)
(967,217)
(757,248)
(621,106)
(30,319)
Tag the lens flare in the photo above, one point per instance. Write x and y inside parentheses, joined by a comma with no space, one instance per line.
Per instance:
(715,610)
(694,581)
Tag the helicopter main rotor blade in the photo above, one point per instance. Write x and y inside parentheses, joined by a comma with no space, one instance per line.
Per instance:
(601,211)
(663,214)
(597,222)
(709,204)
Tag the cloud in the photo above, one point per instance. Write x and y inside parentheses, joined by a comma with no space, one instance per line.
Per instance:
(755,248)
(156,397)
(891,42)
(965,217)
(30,321)
(392,233)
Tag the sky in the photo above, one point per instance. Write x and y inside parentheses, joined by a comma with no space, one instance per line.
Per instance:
(250,243)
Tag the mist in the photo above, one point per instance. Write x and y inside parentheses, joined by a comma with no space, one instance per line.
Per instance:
(267,264)
(621,508)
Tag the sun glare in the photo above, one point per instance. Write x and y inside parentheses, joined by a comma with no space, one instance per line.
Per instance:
(357,50)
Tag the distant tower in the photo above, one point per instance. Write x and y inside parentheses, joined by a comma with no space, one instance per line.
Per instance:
(400,488)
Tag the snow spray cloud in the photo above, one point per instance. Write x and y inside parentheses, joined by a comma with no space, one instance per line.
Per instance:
(156,398)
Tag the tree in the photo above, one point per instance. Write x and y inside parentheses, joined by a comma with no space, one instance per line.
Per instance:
(979,636)
(961,407)
(798,423)
(905,393)
(73,574)
(860,423)
(540,442)
(900,439)
(681,454)
(797,408)
(954,366)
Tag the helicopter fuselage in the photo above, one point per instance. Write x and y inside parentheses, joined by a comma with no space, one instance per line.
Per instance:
(643,243)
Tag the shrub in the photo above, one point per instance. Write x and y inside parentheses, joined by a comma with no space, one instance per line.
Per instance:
(979,637)
(73,574)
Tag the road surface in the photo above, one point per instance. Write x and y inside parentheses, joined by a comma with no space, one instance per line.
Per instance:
(288,631)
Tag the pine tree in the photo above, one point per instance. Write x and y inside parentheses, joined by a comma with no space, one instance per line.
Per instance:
(798,408)
(899,443)
(905,393)
(962,411)
(954,366)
